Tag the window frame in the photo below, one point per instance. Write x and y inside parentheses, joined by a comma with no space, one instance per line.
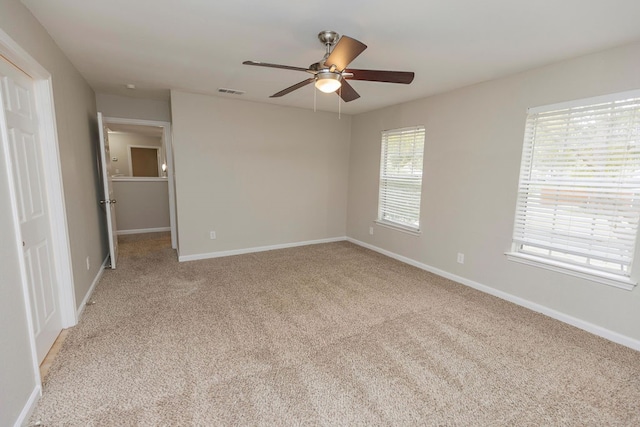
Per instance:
(624,279)
(383,196)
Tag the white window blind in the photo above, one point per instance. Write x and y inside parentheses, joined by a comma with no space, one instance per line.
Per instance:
(401,177)
(579,193)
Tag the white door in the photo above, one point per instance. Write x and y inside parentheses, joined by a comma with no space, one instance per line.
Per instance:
(108,201)
(19,125)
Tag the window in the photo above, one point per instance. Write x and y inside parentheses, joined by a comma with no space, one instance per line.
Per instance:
(401,177)
(578,202)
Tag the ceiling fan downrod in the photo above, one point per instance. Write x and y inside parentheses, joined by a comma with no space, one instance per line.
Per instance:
(328,39)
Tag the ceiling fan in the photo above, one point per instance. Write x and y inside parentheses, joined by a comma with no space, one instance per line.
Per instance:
(331,72)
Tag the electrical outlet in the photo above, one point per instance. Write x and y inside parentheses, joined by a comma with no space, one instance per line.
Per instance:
(212,235)
(88,263)
(460,258)
(371,231)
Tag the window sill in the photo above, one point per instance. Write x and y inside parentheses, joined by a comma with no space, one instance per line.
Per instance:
(572,270)
(398,227)
(138,178)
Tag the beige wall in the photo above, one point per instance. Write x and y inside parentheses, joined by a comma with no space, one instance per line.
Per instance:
(472,158)
(78,142)
(133,108)
(119,148)
(77,137)
(257,174)
(141,204)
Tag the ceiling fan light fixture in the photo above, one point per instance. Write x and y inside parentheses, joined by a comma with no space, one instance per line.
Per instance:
(328,82)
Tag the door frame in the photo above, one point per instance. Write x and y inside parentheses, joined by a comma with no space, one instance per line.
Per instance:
(168,147)
(43,91)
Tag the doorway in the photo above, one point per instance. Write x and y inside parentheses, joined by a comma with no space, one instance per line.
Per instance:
(127,137)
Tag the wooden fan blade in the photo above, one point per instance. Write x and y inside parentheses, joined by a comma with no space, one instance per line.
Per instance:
(292,88)
(404,77)
(347,92)
(345,51)
(266,64)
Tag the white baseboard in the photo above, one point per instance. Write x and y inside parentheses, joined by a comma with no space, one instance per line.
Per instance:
(91,288)
(563,317)
(143,230)
(219,254)
(29,406)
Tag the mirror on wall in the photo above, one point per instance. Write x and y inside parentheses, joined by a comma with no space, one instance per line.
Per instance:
(137,151)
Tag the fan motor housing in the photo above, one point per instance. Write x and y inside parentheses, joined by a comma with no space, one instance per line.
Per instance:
(326,74)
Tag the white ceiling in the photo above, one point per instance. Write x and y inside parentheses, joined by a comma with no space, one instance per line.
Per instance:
(199,46)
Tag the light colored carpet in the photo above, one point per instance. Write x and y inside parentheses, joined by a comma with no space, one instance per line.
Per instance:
(329,334)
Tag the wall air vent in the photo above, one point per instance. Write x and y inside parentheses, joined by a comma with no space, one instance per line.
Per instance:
(231,91)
